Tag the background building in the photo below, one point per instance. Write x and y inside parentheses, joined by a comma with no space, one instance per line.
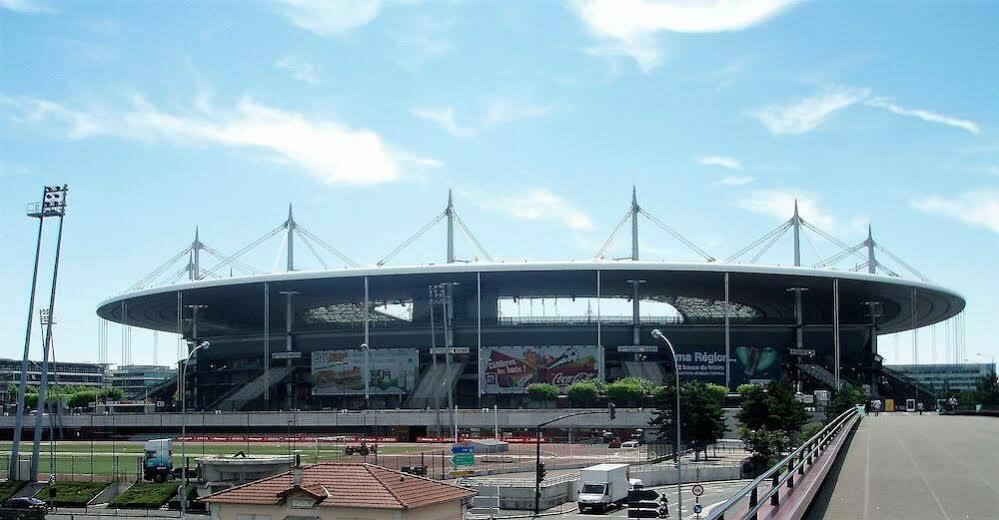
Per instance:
(60,373)
(135,380)
(942,378)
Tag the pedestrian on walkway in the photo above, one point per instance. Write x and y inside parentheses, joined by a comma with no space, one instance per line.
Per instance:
(919,407)
(877,407)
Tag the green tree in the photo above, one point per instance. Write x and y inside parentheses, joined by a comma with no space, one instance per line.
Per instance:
(701,416)
(542,392)
(988,389)
(583,393)
(765,445)
(845,398)
(772,407)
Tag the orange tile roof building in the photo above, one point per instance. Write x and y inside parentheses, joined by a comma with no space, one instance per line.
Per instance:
(331,490)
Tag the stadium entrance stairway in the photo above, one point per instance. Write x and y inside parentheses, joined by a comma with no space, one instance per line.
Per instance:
(646,370)
(818,373)
(432,382)
(242,395)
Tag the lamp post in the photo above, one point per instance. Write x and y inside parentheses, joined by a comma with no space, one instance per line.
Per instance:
(679,452)
(539,471)
(183,425)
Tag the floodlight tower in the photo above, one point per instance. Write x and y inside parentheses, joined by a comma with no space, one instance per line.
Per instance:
(53,204)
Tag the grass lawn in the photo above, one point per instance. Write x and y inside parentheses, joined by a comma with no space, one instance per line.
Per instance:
(73,494)
(9,487)
(146,495)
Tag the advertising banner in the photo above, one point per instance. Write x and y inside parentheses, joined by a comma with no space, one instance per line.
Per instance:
(749,364)
(510,369)
(337,372)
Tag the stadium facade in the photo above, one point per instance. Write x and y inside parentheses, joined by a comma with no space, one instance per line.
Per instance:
(452,334)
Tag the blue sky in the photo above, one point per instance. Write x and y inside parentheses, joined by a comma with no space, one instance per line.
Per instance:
(163,116)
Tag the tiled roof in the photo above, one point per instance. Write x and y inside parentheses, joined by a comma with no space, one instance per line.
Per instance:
(348,485)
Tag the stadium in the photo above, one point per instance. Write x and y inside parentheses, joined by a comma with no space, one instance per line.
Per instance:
(476,334)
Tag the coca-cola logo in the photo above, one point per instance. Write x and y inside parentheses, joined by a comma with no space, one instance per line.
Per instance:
(563,379)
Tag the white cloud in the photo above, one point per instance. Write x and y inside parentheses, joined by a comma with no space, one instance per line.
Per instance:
(536,204)
(497,111)
(806,114)
(632,27)
(442,117)
(299,69)
(779,204)
(735,180)
(718,160)
(330,17)
(328,150)
(925,115)
(423,39)
(27,7)
(979,208)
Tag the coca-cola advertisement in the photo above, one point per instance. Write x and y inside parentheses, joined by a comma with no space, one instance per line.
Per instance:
(510,369)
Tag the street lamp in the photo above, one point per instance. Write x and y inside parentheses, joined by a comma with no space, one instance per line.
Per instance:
(539,469)
(183,425)
(367,374)
(679,455)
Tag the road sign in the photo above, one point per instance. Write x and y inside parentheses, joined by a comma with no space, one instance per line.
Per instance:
(459,473)
(642,494)
(462,449)
(809,352)
(697,490)
(451,350)
(286,355)
(463,459)
(638,348)
(698,508)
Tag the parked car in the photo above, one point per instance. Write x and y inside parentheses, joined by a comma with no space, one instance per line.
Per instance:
(629,444)
(23,508)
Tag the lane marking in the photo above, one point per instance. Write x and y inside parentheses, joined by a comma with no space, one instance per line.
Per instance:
(922,477)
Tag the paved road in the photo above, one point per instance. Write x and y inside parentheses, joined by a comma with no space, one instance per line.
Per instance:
(910,466)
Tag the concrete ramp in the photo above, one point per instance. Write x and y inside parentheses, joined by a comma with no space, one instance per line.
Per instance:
(252,390)
(432,385)
(646,370)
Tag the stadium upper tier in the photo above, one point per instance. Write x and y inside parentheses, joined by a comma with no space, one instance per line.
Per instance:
(335,299)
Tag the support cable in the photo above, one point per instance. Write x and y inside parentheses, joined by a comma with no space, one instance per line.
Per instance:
(471,237)
(769,244)
(312,249)
(412,239)
(677,235)
(839,256)
(901,262)
(159,270)
(247,248)
(811,244)
(828,237)
(327,246)
(779,230)
(610,240)
(237,264)
(280,253)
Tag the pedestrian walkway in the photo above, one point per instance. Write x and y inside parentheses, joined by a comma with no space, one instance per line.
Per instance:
(909,466)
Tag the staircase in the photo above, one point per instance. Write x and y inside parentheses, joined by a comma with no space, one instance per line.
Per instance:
(645,370)
(819,374)
(164,390)
(235,400)
(432,382)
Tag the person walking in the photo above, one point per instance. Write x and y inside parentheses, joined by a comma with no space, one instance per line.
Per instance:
(919,407)
(877,407)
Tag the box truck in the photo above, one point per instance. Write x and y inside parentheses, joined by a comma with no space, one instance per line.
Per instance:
(158,462)
(603,486)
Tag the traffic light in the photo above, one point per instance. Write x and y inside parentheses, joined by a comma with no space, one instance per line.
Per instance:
(612,410)
(541,472)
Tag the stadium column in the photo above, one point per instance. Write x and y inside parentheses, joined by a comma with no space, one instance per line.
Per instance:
(836,345)
(267,345)
(367,319)
(601,360)
(478,331)
(728,342)
(289,318)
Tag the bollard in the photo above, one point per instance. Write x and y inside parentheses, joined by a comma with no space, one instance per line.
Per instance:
(775,498)
(753,501)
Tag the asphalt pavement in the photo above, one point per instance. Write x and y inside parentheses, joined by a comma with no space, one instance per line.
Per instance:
(910,466)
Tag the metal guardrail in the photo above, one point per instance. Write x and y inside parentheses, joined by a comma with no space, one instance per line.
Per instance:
(515,482)
(795,463)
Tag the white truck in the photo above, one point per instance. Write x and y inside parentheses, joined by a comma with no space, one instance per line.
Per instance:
(603,486)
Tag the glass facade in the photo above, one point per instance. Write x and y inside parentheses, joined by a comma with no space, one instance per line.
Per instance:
(957,377)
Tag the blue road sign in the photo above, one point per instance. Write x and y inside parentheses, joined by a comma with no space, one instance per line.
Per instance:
(462,449)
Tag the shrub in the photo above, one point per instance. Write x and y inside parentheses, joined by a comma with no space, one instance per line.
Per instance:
(146,495)
(718,392)
(809,430)
(765,445)
(73,494)
(542,392)
(744,388)
(583,393)
(626,390)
